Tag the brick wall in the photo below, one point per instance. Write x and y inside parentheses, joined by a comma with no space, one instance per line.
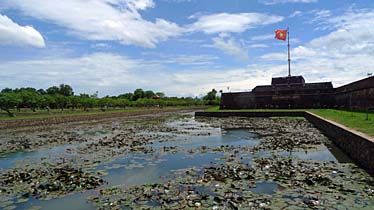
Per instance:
(357,96)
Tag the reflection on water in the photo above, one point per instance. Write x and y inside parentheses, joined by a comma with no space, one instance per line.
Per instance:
(154,168)
(264,188)
(340,156)
(9,160)
(235,137)
(75,201)
(323,153)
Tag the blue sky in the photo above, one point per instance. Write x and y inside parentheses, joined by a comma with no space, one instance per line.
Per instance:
(181,47)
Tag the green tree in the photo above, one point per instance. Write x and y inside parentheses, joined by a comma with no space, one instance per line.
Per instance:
(74,101)
(53,90)
(28,89)
(61,101)
(84,95)
(138,93)
(66,90)
(9,101)
(41,92)
(128,96)
(29,99)
(211,98)
(87,102)
(212,95)
(95,95)
(7,90)
(149,94)
(122,102)
(161,94)
(47,101)
(104,103)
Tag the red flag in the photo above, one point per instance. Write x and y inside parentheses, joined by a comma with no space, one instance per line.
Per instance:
(281,34)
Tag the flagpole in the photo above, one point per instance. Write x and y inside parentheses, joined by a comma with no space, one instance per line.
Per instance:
(289,55)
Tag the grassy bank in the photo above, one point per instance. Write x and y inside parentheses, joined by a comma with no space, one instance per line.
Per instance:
(353,120)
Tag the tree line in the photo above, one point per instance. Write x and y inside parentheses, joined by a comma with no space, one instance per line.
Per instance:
(63,97)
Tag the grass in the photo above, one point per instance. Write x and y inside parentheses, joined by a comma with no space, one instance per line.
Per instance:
(354,120)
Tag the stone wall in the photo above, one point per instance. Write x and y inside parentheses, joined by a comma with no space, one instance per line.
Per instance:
(243,100)
(253,100)
(357,96)
(357,146)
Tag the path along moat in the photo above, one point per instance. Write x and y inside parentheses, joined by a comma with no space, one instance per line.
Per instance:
(174,161)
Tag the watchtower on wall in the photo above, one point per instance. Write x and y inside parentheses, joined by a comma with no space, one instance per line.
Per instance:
(288,81)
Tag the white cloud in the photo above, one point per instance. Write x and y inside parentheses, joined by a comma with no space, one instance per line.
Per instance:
(263,37)
(182,59)
(120,20)
(353,35)
(272,2)
(234,23)
(112,74)
(13,34)
(319,17)
(178,1)
(297,53)
(101,46)
(231,47)
(344,55)
(258,46)
(116,20)
(101,71)
(139,4)
(296,14)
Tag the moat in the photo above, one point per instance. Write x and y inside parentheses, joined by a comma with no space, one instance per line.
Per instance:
(174,161)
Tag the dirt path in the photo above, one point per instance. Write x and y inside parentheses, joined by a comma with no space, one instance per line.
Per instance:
(22,123)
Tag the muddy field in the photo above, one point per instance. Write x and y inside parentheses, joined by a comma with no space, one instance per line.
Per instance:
(174,161)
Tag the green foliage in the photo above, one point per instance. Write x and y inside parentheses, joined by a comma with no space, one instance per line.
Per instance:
(160,94)
(211,98)
(74,101)
(61,101)
(128,96)
(41,92)
(149,94)
(138,93)
(7,90)
(354,120)
(87,103)
(66,90)
(53,90)
(212,95)
(62,97)
(29,99)
(9,101)
(47,101)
